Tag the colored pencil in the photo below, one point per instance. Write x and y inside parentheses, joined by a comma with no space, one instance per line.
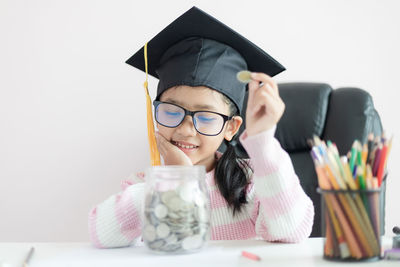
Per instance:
(381,163)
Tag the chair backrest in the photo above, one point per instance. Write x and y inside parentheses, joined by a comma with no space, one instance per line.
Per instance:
(341,115)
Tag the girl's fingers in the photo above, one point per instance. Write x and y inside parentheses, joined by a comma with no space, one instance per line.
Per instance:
(256,92)
(273,89)
(164,145)
(160,143)
(253,86)
(267,80)
(258,102)
(170,153)
(264,94)
(262,77)
(266,100)
(255,89)
(270,88)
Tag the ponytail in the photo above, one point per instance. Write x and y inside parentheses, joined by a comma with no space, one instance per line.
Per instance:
(231,175)
(231,172)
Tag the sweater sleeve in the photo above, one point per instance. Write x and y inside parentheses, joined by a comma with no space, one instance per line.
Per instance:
(285,212)
(117,221)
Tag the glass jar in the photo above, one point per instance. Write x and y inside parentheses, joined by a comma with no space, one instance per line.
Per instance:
(176,209)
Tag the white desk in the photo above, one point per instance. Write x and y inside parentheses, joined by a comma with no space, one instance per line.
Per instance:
(217,253)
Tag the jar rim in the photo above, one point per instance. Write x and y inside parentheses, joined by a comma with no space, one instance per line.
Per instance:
(178,167)
(323,191)
(175,169)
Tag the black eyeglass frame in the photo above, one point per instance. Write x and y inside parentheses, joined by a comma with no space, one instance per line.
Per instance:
(226,118)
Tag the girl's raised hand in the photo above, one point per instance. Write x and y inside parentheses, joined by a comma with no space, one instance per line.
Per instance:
(171,154)
(264,105)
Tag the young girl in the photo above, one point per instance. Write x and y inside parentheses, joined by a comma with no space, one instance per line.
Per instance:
(198,106)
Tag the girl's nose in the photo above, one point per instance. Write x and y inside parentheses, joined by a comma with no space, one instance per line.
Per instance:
(186,128)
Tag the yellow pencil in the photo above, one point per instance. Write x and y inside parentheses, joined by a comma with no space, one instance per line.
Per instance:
(329,244)
(364,153)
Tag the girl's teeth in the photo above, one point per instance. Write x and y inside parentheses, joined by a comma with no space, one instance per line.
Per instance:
(184,146)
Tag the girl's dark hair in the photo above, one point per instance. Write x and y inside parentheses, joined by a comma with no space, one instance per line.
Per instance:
(231,172)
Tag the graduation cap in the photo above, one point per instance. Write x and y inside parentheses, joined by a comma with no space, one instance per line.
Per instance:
(198,50)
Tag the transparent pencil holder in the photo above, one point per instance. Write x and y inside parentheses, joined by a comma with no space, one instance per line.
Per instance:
(352,224)
(176,209)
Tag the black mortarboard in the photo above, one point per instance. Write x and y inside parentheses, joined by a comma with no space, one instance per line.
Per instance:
(197,49)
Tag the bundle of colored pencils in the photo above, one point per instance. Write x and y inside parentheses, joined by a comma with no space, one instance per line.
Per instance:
(350,187)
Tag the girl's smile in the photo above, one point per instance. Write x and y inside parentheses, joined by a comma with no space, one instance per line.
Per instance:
(186,147)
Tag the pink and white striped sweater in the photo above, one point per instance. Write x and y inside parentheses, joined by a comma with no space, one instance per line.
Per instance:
(277,208)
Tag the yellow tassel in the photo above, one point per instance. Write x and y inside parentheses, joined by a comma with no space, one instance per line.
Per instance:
(154,154)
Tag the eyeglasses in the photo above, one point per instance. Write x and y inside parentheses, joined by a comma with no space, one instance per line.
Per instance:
(205,122)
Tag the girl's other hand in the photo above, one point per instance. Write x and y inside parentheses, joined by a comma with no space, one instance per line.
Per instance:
(264,106)
(171,154)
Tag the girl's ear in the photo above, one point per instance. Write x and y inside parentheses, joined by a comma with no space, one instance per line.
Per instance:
(233,127)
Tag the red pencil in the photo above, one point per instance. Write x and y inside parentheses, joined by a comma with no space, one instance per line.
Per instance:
(382,160)
(377,159)
(250,256)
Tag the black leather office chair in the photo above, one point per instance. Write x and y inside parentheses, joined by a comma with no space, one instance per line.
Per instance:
(341,115)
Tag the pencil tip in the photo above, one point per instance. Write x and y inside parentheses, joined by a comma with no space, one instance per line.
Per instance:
(371,137)
(310,142)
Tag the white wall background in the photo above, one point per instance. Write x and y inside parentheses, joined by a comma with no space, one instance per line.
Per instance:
(72,121)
